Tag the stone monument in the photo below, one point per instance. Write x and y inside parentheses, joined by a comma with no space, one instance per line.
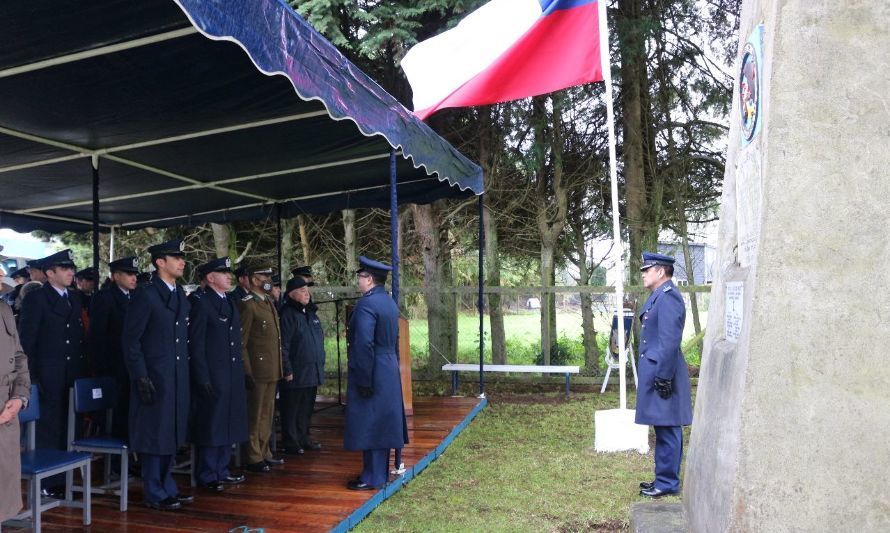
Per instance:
(792,417)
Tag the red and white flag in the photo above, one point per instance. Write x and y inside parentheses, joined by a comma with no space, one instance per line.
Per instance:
(507,50)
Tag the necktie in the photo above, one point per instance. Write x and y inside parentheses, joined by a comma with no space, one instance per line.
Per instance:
(65,298)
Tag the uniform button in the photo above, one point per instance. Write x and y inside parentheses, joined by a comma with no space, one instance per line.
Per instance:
(230,328)
(177,340)
(232,343)
(644,340)
(67,325)
(67,358)
(177,322)
(177,358)
(67,342)
(233,359)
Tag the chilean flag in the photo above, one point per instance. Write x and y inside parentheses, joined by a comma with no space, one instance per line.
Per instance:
(507,50)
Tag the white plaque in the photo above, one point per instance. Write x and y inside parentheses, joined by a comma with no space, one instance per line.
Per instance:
(97,394)
(735,297)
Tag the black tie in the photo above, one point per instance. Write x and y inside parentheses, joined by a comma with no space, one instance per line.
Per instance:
(67,301)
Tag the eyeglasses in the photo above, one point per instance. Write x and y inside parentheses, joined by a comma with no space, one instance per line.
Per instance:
(364,275)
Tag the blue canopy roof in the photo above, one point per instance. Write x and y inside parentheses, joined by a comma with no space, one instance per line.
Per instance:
(197,111)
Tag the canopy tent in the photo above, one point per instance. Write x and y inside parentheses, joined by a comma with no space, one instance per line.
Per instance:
(187,128)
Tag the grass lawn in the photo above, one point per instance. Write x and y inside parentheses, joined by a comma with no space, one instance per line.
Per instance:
(526,463)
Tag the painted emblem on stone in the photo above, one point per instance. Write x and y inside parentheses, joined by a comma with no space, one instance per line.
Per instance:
(749,92)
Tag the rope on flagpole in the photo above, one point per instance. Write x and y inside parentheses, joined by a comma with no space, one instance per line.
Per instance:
(613,174)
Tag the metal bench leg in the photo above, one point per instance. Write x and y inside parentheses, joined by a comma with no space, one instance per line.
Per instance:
(36,504)
(568,380)
(633,366)
(454,383)
(87,494)
(125,480)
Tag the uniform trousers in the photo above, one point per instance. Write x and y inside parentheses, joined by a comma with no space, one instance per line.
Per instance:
(375,467)
(157,477)
(212,463)
(297,405)
(260,412)
(668,455)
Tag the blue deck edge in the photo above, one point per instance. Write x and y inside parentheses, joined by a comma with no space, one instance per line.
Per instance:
(393,487)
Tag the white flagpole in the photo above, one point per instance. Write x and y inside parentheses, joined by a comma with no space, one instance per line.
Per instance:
(613,174)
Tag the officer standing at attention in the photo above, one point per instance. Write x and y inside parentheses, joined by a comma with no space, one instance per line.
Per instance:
(663,396)
(243,280)
(302,343)
(261,352)
(85,283)
(109,308)
(217,374)
(19,277)
(155,345)
(375,416)
(51,330)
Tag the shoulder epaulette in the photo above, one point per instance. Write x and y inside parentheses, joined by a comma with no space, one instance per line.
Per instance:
(667,288)
(247,298)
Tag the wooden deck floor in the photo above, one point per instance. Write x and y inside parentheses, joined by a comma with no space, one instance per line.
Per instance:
(308,493)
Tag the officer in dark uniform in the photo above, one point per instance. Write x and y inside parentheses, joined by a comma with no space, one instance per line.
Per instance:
(38,278)
(217,374)
(304,271)
(51,331)
(243,278)
(19,277)
(106,327)
(663,395)
(155,344)
(142,278)
(85,281)
(277,294)
(302,345)
(375,416)
(261,352)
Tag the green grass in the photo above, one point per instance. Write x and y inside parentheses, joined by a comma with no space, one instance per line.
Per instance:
(526,463)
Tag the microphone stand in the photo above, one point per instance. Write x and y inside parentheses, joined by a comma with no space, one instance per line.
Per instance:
(337,302)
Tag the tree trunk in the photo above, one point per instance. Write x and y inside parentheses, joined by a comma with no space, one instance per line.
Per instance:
(441,306)
(304,240)
(349,241)
(690,267)
(548,335)
(591,349)
(288,225)
(221,243)
(493,279)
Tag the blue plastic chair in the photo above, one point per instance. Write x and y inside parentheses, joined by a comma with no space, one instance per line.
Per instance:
(38,465)
(94,395)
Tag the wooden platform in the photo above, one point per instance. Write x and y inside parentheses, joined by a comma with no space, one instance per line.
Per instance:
(308,493)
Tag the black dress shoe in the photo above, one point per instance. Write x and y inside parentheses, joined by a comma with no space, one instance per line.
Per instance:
(185,499)
(167,504)
(215,486)
(656,493)
(232,480)
(275,461)
(260,467)
(647,485)
(357,484)
(291,450)
(57,493)
(314,446)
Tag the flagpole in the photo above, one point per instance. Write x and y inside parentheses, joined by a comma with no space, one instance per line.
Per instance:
(613,175)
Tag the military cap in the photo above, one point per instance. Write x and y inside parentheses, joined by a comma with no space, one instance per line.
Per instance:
(129,265)
(305,270)
(175,248)
(258,269)
(241,271)
(20,273)
(223,264)
(87,273)
(276,280)
(143,277)
(64,258)
(375,268)
(297,282)
(651,259)
(34,263)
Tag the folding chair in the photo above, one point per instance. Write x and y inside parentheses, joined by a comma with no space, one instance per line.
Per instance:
(612,353)
(38,465)
(92,395)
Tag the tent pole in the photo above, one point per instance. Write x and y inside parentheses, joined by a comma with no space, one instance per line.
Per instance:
(394,224)
(481,296)
(111,245)
(95,163)
(278,240)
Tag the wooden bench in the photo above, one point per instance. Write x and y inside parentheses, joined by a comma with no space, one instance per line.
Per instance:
(454,368)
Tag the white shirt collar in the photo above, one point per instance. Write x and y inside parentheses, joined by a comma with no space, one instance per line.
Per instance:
(169,286)
(62,292)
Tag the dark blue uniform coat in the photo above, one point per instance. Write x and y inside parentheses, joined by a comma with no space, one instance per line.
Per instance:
(302,345)
(109,308)
(215,349)
(662,319)
(155,345)
(51,332)
(379,421)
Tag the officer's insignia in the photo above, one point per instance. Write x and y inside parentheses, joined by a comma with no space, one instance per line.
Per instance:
(135,263)
(224,319)
(228,263)
(181,246)
(70,255)
(247,298)
(666,289)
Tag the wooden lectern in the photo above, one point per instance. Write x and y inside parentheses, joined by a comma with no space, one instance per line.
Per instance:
(405,366)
